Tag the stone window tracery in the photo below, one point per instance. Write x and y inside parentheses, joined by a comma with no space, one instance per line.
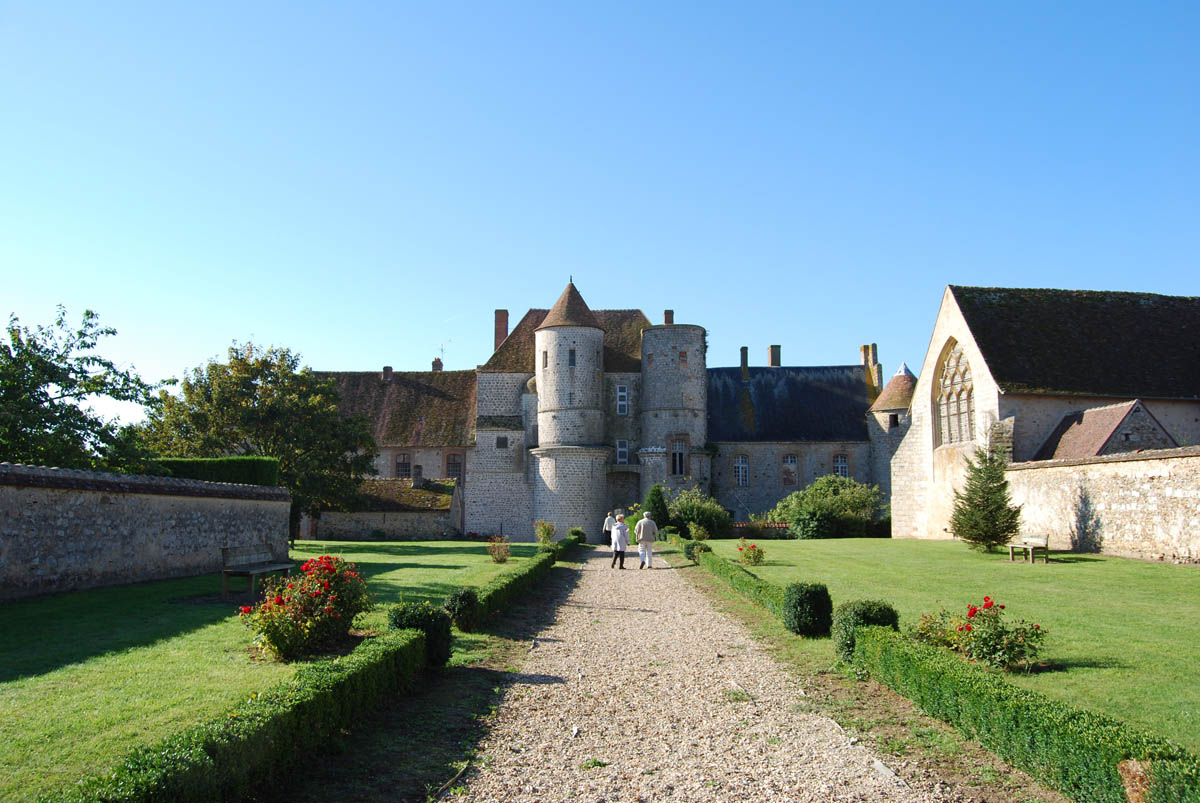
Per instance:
(954,407)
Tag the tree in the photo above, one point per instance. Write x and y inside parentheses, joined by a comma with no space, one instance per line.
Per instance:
(984,515)
(47,377)
(831,507)
(262,403)
(656,503)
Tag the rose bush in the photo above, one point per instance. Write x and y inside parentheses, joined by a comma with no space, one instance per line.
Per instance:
(982,635)
(751,554)
(301,615)
(498,548)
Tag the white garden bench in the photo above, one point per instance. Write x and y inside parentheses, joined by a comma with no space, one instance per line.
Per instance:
(1030,544)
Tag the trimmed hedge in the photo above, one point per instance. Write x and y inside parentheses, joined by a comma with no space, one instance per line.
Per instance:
(233,755)
(434,622)
(240,470)
(804,608)
(860,613)
(807,609)
(692,548)
(496,595)
(1072,750)
(762,593)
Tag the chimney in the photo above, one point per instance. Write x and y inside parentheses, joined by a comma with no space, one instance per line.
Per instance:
(386,376)
(437,363)
(501,327)
(668,317)
(745,364)
(774,355)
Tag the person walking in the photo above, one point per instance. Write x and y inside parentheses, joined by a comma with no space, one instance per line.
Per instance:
(609,523)
(620,540)
(646,532)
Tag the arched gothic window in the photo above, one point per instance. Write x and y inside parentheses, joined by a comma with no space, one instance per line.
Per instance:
(954,407)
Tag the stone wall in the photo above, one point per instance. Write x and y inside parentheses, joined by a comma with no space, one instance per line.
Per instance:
(570,487)
(766,471)
(387,526)
(66,530)
(1144,505)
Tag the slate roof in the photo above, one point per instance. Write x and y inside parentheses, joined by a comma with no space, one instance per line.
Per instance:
(825,403)
(570,310)
(622,342)
(417,408)
(898,392)
(1086,342)
(1084,433)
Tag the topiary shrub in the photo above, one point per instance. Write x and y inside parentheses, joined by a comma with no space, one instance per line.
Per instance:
(692,550)
(433,621)
(859,613)
(463,607)
(807,609)
(656,503)
(578,534)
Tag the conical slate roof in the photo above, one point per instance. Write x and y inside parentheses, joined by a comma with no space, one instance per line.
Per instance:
(898,392)
(570,310)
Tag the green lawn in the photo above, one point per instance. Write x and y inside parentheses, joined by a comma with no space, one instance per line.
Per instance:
(86,677)
(1124,635)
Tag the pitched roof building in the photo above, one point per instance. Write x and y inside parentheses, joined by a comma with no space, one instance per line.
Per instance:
(578,411)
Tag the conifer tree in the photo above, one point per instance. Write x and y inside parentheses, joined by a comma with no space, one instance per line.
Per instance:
(656,503)
(984,515)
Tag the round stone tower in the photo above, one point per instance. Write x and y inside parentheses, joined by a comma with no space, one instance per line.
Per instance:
(570,486)
(675,403)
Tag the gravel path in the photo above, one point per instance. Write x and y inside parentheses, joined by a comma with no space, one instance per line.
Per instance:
(640,672)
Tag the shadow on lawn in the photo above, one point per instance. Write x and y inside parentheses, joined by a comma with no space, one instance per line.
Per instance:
(402,549)
(412,745)
(46,633)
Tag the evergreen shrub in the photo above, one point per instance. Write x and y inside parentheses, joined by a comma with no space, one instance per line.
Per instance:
(859,613)
(463,606)
(764,594)
(692,506)
(807,609)
(692,549)
(434,622)
(812,524)
(1075,751)
(656,503)
(983,514)
(240,470)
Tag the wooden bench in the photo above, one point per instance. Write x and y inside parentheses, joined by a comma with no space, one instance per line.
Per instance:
(1031,544)
(249,561)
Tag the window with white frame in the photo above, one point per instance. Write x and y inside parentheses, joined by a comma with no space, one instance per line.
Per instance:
(841,465)
(678,458)
(454,467)
(789,469)
(622,400)
(741,470)
(622,452)
(403,465)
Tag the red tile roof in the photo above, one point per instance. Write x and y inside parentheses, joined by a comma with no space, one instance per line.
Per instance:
(622,342)
(898,392)
(570,310)
(1084,433)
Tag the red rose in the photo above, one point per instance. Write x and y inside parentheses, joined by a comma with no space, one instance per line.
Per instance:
(972,611)
(985,599)
(246,609)
(987,604)
(968,628)
(1037,627)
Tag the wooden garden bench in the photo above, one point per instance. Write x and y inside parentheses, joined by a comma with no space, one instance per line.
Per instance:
(1031,544)
(249,561)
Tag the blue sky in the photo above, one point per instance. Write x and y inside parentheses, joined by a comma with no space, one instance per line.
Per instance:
(366,182)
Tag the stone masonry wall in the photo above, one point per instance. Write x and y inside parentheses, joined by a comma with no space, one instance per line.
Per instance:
(500,394)
(386,526)
(1143,505)
(766,481)
(570,487)
(67,530)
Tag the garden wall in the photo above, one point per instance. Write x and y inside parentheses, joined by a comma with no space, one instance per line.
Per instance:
(64,530)
(385,526)
(1144,505)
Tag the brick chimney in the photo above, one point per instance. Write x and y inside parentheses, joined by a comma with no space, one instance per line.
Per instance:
(386,374)
(501,327)
(774,356)
(870,361)
(668,317)
(437,363)
(745,363)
